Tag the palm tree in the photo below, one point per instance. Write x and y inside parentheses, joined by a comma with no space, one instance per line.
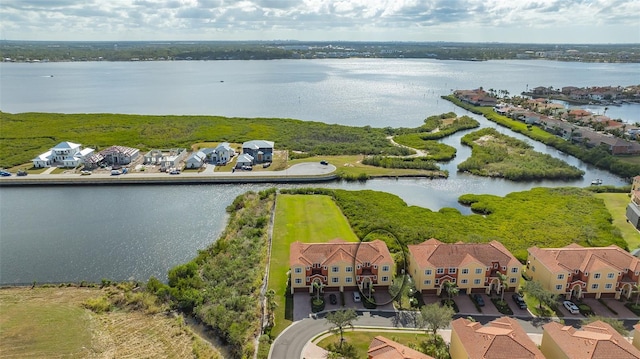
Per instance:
(317,285)
(452,289)
(504,283)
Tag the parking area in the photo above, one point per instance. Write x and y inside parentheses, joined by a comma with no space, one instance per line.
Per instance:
(302,303)
(600,309)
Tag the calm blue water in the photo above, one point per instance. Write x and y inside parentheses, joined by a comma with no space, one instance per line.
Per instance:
(72,234)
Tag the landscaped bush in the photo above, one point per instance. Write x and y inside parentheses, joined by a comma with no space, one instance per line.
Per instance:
(633,307)
(585,309)
(417,163)
(451,303)
(502,305)
(317,305)
(369,303)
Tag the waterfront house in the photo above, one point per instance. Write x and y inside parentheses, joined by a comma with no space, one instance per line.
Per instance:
(597,340)
(119,155)
(64,154)
(473,267)
(222,153)
(384,348)
(196,160)
(244,160)
(499,339)
(576,271)
(260,150)
(340,265)
(165,158)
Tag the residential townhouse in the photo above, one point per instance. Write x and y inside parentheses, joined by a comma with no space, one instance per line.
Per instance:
(636,336)
(633,208)
(474,267)
(576,271)
(597,340)
(340,265)
(384,348)
(499,339)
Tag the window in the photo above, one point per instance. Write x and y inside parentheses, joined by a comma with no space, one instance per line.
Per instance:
(495,265)
(594,286)
(452,270)
(427,282)
(463,281)
(478,270)
(335,269)
(560,276)
(465,271)
(298,270)
(348,279)
(514,270)
(348,269)
(385,279)
(513,280)
(298,280)
(596,275)
(504,267)
(427,272)
(440,270)
(335,280)
(385,268)
(437,281)
(375,266)
(559,287)
(308,279)
(608,286)
(453,280)
(610,275)
(476,281)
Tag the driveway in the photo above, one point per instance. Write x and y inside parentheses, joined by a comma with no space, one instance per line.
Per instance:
(466,306)
(618,306)
(598,308)
(302,303)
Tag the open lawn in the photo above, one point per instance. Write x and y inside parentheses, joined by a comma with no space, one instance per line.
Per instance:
(617,205)
(361,339)
(306,219)
(52,323)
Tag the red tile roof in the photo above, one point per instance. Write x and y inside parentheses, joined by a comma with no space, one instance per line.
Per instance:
(433,253)
(595,340)
(339,251)
(383,348)
(585,259)
(500,339)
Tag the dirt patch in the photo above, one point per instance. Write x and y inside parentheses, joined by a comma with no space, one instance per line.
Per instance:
(485,139)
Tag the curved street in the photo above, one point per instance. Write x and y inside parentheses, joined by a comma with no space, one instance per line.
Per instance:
(292,341)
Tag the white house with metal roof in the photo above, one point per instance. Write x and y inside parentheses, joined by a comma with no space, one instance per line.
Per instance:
(196,160)
(64,154)
(260,150)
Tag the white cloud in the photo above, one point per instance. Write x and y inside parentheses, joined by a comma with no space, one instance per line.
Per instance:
(578,21)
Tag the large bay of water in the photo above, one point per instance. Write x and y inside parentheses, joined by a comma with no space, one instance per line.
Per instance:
(57,234)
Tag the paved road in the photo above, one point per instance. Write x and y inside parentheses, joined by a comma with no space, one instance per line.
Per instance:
(291,342)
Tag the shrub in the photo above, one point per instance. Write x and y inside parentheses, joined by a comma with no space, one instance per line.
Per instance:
(98,305)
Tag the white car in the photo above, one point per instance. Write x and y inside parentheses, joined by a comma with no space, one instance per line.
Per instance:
(356,297)
(571,307)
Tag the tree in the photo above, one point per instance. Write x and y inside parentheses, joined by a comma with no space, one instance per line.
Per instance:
(317,286)
(451,289)
(340,320)
(396,289)
(433,317)
(637,288)
(271,306)
(504,284)
(535,289)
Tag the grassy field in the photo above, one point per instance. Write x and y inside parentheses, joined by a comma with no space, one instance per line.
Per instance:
(362,339)
(617,205)
(52,323)
(306,219)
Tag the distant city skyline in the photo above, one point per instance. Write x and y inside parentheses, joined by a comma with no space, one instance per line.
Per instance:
(516,21)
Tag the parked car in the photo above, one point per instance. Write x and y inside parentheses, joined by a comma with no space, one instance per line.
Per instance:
(356,297)
(116,172)
(174,172)
(21,173)
(85,173)
(5,173)
(323,162)
(519,301)
(333,299)
(571,307)
(478,298)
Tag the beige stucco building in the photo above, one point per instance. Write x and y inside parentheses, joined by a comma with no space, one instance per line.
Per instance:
(474,267)
(384,348)
(576,271)
(340,265)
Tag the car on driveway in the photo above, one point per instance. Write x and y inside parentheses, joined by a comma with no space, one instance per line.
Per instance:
(5,173)
(519,301)
(333,299)
(356,297)
(21,173)
(323,162)
(478,299)
(571,307)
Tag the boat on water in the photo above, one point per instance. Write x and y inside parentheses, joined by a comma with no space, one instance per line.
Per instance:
(596,182)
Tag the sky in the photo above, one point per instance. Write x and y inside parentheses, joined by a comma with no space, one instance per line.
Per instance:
(514,21)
